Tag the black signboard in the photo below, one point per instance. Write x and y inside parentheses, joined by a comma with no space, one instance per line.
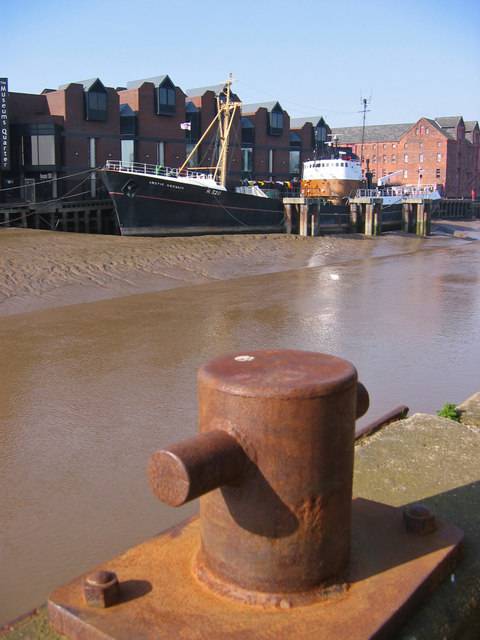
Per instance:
(4,131)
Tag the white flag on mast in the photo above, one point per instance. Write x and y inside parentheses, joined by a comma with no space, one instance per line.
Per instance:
(186,125)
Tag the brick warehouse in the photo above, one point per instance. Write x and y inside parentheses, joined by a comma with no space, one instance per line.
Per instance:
(83,124)
(440,151)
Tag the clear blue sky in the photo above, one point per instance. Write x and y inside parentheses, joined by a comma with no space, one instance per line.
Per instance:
(413,58)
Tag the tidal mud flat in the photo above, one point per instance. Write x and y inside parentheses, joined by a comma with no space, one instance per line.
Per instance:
(42,269)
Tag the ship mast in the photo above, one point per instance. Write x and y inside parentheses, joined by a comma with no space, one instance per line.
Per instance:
(226,110)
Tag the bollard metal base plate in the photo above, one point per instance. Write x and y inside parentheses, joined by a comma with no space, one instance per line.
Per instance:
(390,572)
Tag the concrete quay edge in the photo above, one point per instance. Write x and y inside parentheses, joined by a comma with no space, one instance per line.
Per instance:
(424,459)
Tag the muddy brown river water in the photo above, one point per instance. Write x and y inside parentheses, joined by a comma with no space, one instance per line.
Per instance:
(89,391)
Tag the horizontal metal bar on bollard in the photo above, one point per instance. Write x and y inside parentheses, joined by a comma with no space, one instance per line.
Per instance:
(278,530)
(391,416)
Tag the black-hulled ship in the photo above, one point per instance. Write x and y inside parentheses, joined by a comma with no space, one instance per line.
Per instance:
(151,200)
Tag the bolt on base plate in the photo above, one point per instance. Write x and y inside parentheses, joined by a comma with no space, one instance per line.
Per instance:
(390,571)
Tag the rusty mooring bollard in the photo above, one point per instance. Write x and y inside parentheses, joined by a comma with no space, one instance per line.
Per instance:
(277,438)
(273,467)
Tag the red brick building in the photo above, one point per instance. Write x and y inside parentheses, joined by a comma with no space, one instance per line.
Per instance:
(151,112)
(60,132)
(441,151)
(265,142)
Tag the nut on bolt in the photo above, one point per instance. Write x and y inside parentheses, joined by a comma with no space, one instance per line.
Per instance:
(101,589)
(419,519)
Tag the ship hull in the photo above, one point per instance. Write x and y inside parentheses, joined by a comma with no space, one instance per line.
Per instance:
(330,189)
(155,206)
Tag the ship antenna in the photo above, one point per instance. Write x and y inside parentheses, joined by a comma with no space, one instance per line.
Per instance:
(364,111)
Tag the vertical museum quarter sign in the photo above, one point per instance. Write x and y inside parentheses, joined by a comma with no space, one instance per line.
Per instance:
(4,131)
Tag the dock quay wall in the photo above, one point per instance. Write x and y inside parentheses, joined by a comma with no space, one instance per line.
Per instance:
(83,216)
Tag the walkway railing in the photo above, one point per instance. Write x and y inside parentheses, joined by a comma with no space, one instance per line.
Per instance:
(406,191)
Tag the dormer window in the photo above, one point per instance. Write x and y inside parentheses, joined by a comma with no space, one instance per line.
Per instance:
(96,104)
(276,121)
(320,134)
(165,98)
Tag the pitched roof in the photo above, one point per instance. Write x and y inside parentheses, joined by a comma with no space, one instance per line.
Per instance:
(469,127)
(297,123)
(156,80)
(449,125)
(373,133)
(87,84)
(199,91)
(255,106)
(448,121)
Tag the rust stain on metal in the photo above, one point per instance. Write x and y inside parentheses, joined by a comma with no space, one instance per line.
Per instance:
(384,586)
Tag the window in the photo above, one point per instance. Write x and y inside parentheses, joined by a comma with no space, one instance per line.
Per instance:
(165,98)
(405,173)
(405,146)
(384,157)
(420,157)
(394,158)
(270,161)
(248,130)
(92,148)
(42,150)
(384,146)
(128,151)
(92,159)
(405,157)
(193,162)
(294,162)
(427,131)
(161,154)
(321,134)
(416,132)
(247,159)
(394,146)
(437,173)
(276,123)
(422,130)
(96,104)
(374,158)
(439,157)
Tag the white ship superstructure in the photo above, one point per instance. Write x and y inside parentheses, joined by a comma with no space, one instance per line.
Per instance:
(336,177)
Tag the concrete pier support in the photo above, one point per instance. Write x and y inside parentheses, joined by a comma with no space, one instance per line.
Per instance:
(408,217)
(373,218)
(355,218)
(288,218)
(303,231)
(423,218)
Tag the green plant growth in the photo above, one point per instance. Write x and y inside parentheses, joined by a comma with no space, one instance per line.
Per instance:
(449,411)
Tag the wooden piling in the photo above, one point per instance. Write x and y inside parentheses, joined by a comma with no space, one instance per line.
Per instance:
(304,220)
(288,217)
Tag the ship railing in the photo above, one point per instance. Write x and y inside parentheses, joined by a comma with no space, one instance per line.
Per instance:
(155,170)
(401,191)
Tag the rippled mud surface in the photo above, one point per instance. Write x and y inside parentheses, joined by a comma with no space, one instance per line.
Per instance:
(89,391)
